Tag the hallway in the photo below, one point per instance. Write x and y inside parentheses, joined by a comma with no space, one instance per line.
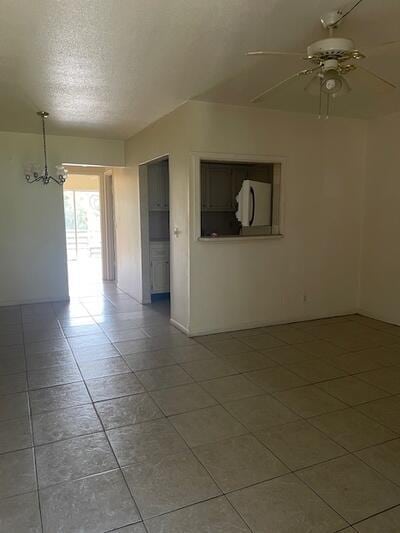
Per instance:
(237,432)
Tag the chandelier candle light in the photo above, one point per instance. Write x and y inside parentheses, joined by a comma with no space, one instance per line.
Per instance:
(32,174)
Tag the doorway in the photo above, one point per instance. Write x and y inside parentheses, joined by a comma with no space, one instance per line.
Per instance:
(155,228)
(89,238)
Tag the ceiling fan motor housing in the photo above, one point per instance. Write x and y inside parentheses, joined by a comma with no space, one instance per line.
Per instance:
(338,48)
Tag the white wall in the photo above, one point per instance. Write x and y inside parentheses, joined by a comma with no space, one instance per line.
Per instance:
(32,236)
(169,135)
(238,284)
(380,272)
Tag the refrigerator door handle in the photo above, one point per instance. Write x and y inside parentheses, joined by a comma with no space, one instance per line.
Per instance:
(253,203)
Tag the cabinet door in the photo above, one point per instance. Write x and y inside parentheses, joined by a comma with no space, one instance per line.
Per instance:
(159,276)
(239,174)
(154,178)
(220,187)
(164,184)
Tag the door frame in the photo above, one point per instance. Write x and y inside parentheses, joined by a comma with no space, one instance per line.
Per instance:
(144,227)
(108,234)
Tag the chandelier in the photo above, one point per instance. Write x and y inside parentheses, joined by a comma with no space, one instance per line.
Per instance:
(33,174)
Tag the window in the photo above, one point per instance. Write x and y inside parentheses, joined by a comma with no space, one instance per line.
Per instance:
(239,199)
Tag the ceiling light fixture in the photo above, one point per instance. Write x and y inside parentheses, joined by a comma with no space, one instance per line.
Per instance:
(33,174)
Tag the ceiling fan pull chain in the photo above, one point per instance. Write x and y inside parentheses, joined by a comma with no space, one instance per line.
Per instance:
(328,102)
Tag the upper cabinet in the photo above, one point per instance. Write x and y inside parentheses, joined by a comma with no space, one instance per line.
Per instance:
(220,185)
(158,181)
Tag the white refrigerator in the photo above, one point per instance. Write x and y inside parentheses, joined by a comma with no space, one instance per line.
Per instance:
(254,204)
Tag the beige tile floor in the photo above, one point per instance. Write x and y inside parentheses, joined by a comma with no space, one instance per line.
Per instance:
(112,420)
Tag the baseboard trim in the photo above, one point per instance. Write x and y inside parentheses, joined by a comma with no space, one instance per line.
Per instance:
(8,303)
(179,326)
(377,317)
(263,324)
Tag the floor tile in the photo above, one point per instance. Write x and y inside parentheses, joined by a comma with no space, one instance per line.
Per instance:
(180,476)
(151,344)
(288,355)
(73,458)
(14,406)
(42,334)
(387,522)
(352,390)
(239,462)
(352,429)
(385,411)
(135,528)
(182,399)
(260,412)
(229,347)
(163,377)
(208,369)
(57,375)
(88,340)
(299,444)
(145,442)
(15,434)
(109,387)
(13,383)
(127,410)
(262,342)
(87,354)
(352,488)
(356,362)
(385,458)
(53,345)
(207,425)
(39,361)
(17,473)
(285,505)
(231,388)
(71,507)
(147,360)
(289,334)
(78,330)
(192,352)
(104,367)
(275,379)
(127,335)
(387,379)
(216,516)
(309,401)
(20,514)
(64,424)
(321,348)
(385,356)
(60,397)
(207,340)
(245,362)
(12,364)
(316,370)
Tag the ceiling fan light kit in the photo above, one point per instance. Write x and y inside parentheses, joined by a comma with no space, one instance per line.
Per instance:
(331,60)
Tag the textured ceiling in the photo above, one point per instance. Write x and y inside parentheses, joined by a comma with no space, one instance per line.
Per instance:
(108,68)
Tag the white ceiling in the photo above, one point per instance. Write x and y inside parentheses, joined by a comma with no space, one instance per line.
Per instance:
(108,68)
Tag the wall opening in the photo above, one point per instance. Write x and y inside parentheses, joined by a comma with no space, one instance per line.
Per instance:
(155,232)
(90,254)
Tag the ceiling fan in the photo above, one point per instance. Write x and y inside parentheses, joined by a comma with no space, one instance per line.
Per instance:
(330,60)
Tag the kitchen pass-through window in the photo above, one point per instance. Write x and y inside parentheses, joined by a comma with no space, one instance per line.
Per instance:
(239,199)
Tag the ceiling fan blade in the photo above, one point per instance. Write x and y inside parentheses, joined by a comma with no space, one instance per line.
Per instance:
(274,53)
(304,72)
(386,82)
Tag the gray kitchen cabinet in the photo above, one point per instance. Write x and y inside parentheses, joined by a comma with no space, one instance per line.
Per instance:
(158,183)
